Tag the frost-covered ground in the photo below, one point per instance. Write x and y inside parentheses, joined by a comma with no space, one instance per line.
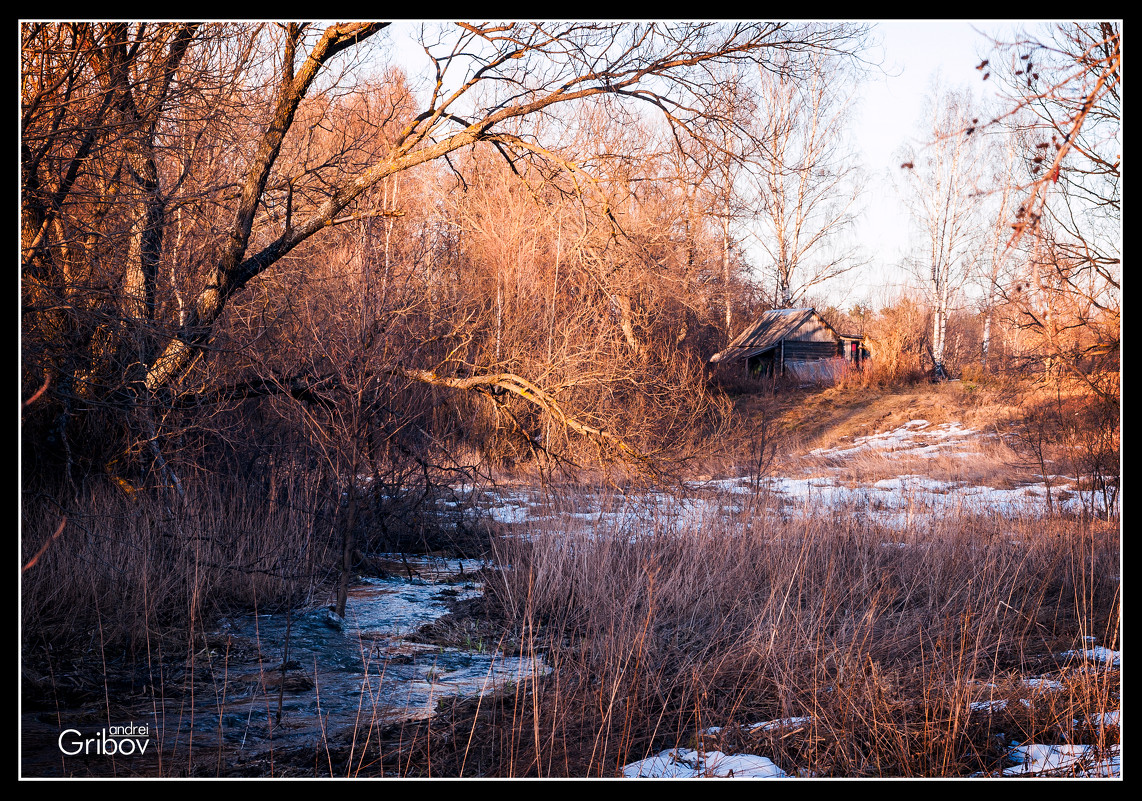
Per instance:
(826,482)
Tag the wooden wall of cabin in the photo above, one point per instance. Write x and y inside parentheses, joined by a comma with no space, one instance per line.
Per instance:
(802,350)
(812,330)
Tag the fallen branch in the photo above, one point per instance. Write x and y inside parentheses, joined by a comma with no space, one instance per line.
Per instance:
(317,389)
(529,392)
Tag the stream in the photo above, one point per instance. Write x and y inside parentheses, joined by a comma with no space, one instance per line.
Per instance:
(285,685)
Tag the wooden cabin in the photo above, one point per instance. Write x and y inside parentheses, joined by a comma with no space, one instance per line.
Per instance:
(796,341)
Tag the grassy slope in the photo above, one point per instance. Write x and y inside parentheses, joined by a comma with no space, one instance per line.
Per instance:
(810,419)
(834,416)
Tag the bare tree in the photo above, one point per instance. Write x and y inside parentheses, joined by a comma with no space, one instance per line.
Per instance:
(255,135)
(942,185)
(101,105)
(996,259)
(538,66)
(807,185)
(1069,80)
(1064,88)
(1064,84)
(742,130)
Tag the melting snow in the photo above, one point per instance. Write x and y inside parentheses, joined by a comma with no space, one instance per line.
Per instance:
(897,502)
(781,723)
(894,502)
(910,438)
(684,763)
(1104,719)
(765,725)
(1078,760)
(1043,685)
(1098,654)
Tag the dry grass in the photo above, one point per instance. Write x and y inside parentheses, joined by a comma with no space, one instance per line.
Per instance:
(657,636)
(818,433)
(981,460)
(653,633)
(147,563)
(838,415)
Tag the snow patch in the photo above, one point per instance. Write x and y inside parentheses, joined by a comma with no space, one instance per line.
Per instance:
(684,763)
(1097,654)
(1076,760)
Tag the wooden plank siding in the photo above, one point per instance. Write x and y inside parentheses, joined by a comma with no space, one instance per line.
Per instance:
(812,330)
(802,350)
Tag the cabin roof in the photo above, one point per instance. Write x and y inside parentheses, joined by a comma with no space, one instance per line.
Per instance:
(767,332)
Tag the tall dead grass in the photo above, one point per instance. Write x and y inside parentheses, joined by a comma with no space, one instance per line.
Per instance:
(882,640)
(131,564)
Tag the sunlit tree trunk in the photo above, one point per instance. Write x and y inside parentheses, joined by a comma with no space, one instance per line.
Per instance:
(942,185)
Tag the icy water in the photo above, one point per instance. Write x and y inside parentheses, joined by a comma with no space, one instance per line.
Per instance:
(288,684)
(366,670)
